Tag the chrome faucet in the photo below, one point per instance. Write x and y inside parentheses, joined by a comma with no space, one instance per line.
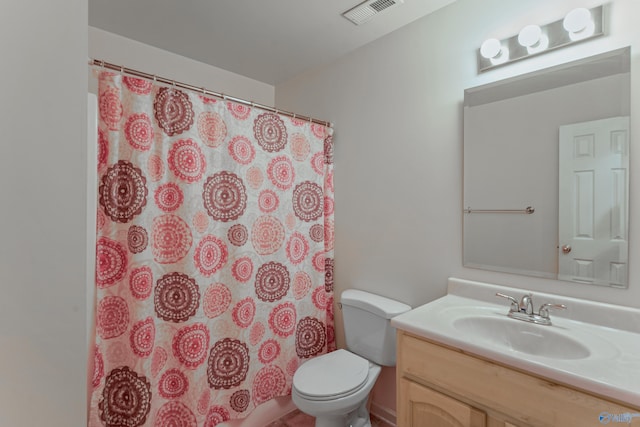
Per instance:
(526,304)
(523,310)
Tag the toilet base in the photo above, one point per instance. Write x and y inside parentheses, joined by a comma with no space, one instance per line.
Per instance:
(357,418)
(331,421)
(360,417)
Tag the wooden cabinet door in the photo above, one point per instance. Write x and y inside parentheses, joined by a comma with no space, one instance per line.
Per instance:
(422,407)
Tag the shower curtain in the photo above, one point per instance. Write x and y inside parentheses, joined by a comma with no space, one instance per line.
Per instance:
(214,267)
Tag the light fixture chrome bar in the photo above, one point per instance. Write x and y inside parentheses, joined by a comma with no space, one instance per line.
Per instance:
(556,36)
(528,210)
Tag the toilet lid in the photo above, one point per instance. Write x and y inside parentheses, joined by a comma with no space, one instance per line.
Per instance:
(333,374)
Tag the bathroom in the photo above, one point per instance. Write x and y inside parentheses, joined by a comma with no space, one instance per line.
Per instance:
(396,105)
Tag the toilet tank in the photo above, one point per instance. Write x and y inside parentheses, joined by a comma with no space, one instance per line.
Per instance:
(367,325)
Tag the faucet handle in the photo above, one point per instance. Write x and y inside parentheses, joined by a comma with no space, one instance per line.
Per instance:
(544,309)
(514,302)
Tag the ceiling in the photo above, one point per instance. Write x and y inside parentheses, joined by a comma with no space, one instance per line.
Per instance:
(267,40)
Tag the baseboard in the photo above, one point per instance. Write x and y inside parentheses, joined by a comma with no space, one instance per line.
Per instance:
(385,414)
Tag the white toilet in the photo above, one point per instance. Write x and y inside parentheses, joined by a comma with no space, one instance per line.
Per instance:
(335,387)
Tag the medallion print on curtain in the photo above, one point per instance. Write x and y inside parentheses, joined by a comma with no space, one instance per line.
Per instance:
(214,255)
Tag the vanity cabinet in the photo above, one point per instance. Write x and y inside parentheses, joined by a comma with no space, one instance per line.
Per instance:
(440,386)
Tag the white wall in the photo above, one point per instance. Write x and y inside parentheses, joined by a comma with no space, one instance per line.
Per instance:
(43,46)
(397,108)
(129,53)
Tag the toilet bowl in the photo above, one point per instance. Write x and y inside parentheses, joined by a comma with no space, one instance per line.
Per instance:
(335,387)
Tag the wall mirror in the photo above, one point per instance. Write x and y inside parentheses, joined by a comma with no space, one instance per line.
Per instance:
(546,172)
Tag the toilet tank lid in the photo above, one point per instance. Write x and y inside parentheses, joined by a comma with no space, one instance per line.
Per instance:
(376,304)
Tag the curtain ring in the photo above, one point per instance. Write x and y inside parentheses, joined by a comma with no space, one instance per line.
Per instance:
(121,69)
(155,78)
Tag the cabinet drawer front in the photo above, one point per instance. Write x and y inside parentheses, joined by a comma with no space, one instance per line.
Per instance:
(527,399)
(424,407)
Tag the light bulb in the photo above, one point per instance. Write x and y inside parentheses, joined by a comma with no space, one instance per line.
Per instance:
(529,35)
(490,48)
(533,39)
(579,24)
(493,50)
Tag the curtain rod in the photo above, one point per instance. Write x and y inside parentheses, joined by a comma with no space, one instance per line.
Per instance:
(136,73)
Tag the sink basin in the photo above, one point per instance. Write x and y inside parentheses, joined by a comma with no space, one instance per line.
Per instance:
(522,337)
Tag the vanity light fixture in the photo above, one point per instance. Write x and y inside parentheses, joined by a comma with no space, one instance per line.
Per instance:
(578,25)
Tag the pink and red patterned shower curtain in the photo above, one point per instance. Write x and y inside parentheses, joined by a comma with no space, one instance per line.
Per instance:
(214,255)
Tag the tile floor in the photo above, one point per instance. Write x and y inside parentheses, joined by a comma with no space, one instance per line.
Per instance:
(300,419)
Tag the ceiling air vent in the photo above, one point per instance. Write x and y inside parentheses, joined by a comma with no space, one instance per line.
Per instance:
(368,9)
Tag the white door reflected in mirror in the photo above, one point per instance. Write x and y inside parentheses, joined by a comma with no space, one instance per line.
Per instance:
(593,200)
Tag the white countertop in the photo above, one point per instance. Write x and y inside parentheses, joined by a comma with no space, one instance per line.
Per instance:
(611,333)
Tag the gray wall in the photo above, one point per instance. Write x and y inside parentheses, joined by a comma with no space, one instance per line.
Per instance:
(43,157)
(397,108)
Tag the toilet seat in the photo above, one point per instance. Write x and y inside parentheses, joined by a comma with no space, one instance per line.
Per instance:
(331,376)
